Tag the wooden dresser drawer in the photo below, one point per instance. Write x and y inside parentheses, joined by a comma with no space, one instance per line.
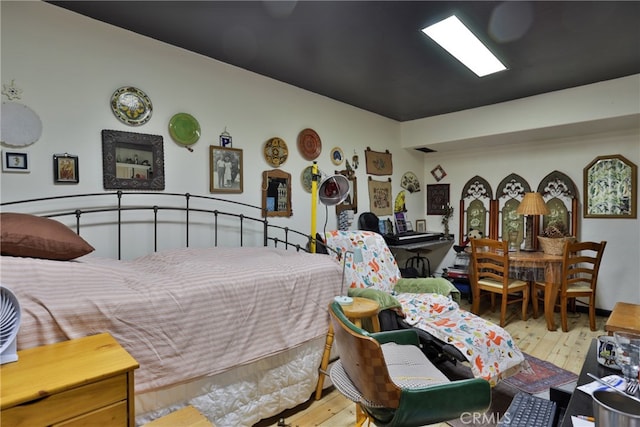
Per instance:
(69,404)
(112,415)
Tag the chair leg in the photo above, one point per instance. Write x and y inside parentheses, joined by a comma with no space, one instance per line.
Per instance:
(592,313)
(534,299)
(525,302)
(475,303)
(361,416)
(503,309)
(563,313)
(493,302)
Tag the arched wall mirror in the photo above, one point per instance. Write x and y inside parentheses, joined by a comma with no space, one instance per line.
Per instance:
(276,193)
(509,194)
(561,196)
(475,207)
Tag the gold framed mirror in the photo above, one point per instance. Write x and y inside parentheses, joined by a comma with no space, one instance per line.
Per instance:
(276,193)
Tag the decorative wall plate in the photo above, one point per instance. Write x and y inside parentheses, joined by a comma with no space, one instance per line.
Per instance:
(21,126)
(276,152)
(131,106)
(410,182)
(184,129)
(337,156)
(306,177)
(309,144)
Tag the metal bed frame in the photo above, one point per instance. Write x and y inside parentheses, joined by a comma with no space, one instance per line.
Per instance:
(118,202)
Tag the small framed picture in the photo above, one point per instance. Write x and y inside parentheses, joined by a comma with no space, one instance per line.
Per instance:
(65,169)
(14,161)
(225,170)
(337,156)
(226,140)
(438,173)
(421,225)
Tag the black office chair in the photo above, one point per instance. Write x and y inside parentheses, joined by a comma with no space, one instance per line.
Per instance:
(368,221)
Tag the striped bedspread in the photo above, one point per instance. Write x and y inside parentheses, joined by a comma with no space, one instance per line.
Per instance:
(183,314)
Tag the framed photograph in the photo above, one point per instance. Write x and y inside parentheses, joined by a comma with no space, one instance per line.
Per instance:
(65,169)
(437,198)
(225,170)
(610,188)
(132,161)
(15,161)
(421,225)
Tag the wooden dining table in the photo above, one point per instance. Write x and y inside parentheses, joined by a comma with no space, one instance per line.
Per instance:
(552,265)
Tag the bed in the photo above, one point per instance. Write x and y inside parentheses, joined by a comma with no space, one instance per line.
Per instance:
(236,331)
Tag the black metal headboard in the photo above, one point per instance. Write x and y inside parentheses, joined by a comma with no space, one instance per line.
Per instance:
(249,219)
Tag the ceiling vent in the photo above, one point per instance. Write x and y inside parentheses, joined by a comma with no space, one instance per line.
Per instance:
(425,150)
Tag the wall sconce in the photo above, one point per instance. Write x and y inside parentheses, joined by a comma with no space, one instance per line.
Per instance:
(532,204)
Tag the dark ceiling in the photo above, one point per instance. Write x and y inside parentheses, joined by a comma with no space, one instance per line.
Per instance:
(372,54)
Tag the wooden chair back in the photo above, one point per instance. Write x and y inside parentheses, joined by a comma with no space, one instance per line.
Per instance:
(581,264)
(362,359)
(490,260)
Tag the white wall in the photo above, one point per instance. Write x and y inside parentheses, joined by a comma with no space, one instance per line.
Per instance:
(69,65)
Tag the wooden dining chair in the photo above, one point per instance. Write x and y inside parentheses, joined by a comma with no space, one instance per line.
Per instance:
(490,276)
(580,266)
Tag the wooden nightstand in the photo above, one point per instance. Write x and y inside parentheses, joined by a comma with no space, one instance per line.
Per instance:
(86,381)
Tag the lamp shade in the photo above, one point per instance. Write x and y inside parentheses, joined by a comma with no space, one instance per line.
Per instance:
(532,204)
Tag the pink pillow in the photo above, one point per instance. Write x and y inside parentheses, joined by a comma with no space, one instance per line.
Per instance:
(32,236)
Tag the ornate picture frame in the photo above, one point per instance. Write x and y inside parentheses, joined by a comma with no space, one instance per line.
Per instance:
(65,169)
(225,170)
(438,173)
(437,198)
(610,188)
(276,193)
(132,161)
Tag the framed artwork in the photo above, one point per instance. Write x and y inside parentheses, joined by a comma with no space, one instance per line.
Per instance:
(15,161)
(610,188)
(437,198)
(337,156)
(65,169)
(421,225)
(225,170)
(276,193)
(378,163)
(380,199)
(438,173)
(132,161)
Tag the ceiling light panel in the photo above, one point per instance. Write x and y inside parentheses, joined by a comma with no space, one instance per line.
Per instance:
(460,42)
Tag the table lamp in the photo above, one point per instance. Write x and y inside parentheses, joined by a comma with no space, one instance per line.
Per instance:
(532,204)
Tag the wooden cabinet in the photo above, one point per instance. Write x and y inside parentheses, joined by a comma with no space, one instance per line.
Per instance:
(86,381)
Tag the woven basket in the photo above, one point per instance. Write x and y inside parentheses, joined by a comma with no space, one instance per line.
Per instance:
(554,245)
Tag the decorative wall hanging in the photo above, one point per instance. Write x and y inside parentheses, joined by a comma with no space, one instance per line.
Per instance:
(225,170)
(355,160)
(399,204)
(337,156)
(438,173)
(437,199)
(276,152)
(20,126)
(380,198)
(11,91)
(131,106)
(184,129)
(132,161)
(410,182)
(378,163)
(13,161)
(225,139)
(610,188)
(276,193)
(65,169)
(309,144)
(306,177)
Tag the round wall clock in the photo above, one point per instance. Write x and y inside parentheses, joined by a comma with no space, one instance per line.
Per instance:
(131,106)
(309,144)
(276,152)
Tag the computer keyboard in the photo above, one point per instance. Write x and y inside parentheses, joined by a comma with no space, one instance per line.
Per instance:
(529,411)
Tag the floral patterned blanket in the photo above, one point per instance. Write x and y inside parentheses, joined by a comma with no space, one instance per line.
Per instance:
(491,352)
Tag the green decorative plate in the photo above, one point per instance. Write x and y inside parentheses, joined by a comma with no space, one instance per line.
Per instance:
(184,129)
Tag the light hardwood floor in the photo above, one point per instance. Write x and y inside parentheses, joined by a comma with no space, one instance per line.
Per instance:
(566,350)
